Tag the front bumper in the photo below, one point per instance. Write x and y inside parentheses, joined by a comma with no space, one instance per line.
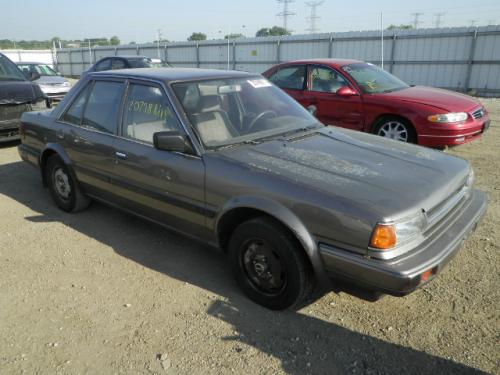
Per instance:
(9,130)
(403,275)
(438,135)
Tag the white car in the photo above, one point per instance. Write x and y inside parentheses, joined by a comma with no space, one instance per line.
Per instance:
(50,81)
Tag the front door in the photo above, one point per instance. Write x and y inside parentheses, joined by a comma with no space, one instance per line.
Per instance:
(168,187)
(331,108)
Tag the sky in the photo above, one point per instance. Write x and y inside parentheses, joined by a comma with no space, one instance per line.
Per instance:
(138,21)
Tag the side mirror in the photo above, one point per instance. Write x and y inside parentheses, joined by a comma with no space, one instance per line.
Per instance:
(34,76)
(346,91)
(172,141)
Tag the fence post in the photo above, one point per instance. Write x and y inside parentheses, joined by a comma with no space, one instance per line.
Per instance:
(330,47)
(278,52)
(234,55)
(70,64)
(165,56)
(137,50)
(471,61)
(197,55)
(116,51)
(393,53)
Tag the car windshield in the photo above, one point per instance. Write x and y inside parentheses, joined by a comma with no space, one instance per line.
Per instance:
(233,111)
(42,69)
(9,71)
(140,63)
(372,79)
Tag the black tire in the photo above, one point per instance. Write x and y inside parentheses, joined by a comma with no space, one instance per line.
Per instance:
(281,278)
(62,186)
(398,123)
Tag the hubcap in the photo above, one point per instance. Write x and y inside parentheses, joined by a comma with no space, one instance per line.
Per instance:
(61,184)
(263,266)
(394,130)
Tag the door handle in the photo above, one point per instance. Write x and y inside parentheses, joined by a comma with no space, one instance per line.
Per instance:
(121,155)
(78,139)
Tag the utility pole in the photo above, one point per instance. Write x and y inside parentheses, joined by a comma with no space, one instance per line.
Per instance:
(416,19)
(158,36)
(313,17)
(473,23)
(285,13)
(439,17)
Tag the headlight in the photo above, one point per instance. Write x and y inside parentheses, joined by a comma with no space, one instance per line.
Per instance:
(66,84)
(386,236)
(448,117)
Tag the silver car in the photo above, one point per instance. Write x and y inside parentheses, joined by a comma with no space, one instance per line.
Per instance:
(52,84)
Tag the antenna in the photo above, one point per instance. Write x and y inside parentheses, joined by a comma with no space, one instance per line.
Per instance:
(285,13)
(313,17)
(439,20)
(416,20)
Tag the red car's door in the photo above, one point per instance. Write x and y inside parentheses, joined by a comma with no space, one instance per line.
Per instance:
(331,107)
(292,79)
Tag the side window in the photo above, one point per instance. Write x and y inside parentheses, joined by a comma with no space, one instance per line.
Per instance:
(103,106)
(74,114)
(292,77)
(326,80)
(103,65)
(118,64)
(147,111)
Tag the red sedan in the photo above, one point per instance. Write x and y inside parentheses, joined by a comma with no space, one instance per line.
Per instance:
(360,96)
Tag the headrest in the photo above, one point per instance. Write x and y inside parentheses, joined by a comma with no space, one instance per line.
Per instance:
(209,103)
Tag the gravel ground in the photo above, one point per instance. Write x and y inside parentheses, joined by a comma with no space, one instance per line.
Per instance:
(102,292)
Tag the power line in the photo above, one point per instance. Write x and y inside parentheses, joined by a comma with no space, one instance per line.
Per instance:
(313,18)
(439,17)
(416,20)
(285,13)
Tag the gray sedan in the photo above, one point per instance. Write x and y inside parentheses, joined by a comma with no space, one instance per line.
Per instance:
(229,159)
(52,84)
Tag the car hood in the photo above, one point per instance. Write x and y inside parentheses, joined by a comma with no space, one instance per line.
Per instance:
(390,178)
(443,99)
(50,80)
(18,92)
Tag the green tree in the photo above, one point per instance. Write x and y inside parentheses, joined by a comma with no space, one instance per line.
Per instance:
(273,31)
(197,36)
(114,40)
(400,27)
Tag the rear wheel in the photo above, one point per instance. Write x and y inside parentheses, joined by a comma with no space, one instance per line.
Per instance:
(396,128)
(63,188)
(269,265)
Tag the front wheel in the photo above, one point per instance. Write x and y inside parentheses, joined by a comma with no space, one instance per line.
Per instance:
(396,128)
(269,265)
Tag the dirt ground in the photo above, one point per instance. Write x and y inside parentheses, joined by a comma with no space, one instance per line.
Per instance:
(101,292)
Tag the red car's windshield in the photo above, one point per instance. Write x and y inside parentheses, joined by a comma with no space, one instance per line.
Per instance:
(372,79)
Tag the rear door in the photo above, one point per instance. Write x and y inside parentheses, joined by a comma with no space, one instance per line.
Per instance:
(89,142)
(330,107)
(166,186)
(293,80)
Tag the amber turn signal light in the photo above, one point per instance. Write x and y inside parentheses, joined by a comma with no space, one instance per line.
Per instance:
(384,237)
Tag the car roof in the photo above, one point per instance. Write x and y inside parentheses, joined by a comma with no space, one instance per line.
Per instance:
(31,63)
(131,57)
(173,74)
(330,62)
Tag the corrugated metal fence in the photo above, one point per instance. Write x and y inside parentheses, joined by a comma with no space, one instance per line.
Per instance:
(43,55)
(462,59)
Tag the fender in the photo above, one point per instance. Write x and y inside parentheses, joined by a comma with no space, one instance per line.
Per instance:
(51,148)
(284,215)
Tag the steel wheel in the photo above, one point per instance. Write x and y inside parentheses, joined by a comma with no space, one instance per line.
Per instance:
(394,130)
(61,183)
(263,266)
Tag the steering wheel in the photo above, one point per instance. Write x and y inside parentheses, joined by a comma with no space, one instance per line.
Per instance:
(259,117)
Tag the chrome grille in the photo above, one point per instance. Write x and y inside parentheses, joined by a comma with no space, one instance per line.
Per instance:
(478,113)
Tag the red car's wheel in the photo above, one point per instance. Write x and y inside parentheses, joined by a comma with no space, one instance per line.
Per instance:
(395,128)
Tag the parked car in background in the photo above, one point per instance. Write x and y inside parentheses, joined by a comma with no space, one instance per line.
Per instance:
(121,62)
(50,81)
(228,158)
(159,63)
(17,95)
(360,96)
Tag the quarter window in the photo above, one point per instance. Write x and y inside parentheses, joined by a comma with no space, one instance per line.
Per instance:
(103,106)
(326,80)
(292,77)
(147,111)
